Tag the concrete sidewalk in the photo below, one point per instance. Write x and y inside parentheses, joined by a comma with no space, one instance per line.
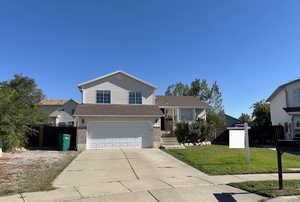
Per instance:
(140,175)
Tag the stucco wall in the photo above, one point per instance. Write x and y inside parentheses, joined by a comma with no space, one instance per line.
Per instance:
(120,86)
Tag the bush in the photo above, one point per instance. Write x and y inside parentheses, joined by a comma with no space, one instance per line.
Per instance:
(194,132)
(182,131)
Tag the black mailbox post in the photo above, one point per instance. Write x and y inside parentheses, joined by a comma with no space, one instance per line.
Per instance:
(281,147)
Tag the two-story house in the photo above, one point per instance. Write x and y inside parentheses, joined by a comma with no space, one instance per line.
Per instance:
(119,110)
(285,108)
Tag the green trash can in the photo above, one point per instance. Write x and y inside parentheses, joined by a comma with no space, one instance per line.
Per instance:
(64,142)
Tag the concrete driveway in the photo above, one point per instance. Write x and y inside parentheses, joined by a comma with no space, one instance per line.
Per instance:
(140,175)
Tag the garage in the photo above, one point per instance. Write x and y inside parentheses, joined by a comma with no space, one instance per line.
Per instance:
(119,134)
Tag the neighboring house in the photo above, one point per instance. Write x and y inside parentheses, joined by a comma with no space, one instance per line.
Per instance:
(231,121)
(285,108)
(119,110)
(60,111)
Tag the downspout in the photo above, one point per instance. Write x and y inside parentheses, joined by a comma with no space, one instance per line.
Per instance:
(293,129)
(286,98)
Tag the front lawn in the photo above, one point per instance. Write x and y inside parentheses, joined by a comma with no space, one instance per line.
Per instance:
(220,160)
(270,188)
(31,170)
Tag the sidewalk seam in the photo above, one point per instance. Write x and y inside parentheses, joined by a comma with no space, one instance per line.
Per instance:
(75,188)
(151,194)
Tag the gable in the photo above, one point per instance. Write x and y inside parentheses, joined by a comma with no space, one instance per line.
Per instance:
(119,85)
(118,75)
(282,87)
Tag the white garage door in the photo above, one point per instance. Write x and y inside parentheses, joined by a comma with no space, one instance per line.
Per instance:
(116,135)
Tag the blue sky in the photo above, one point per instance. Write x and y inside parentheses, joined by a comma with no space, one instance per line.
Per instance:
(249,47)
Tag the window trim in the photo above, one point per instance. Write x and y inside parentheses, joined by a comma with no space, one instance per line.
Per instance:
(135,96)
(103,93)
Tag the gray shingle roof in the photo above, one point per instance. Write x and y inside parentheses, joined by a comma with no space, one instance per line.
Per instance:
(117,110)
(180,101)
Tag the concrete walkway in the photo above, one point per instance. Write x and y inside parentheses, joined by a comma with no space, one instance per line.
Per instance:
(140,175)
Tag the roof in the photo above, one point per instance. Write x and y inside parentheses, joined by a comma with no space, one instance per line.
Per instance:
(114,73)
(292,109)
(53,102)
(231,121)
(281,88)
(180,101)
(120,110)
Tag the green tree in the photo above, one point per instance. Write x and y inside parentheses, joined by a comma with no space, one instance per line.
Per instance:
(204,92)
(261,113)
(178,89)
(245,118)
(215,99)
(18,108)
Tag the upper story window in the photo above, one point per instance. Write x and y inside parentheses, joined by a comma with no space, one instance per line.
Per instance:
(135,98)
(297,95)
(103,96)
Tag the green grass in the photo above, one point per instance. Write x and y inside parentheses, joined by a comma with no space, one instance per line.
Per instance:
(270,188)
(220,160)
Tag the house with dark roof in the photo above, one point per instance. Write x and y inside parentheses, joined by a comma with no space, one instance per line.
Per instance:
(285,108)
(180,108)
(60,111)
(119,110)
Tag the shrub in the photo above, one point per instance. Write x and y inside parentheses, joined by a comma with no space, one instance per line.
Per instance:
(182,132)
(194,132)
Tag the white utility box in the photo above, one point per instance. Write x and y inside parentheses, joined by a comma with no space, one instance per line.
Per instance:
(237,137)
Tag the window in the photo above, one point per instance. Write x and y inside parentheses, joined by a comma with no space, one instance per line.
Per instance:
(296,93)
(186,114)
(135,98)
(103,96)
(297,124)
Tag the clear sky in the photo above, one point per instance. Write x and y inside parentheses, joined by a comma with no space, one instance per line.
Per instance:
(248,46)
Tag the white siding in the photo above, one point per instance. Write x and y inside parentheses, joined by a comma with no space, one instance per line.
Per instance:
(278,115)
(292,102)
(120,86)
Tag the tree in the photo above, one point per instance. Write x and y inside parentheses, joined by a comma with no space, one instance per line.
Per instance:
(261,113)
(215,99)
(18,108)
(178,89)
(245,118)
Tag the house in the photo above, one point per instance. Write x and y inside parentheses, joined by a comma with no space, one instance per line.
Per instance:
(180,108)
(285,108)
(119,110)
(231,121)
(60,111)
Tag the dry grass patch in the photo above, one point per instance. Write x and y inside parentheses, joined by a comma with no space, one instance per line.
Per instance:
(31,171)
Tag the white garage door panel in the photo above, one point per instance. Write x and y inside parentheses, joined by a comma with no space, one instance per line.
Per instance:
(115,135)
